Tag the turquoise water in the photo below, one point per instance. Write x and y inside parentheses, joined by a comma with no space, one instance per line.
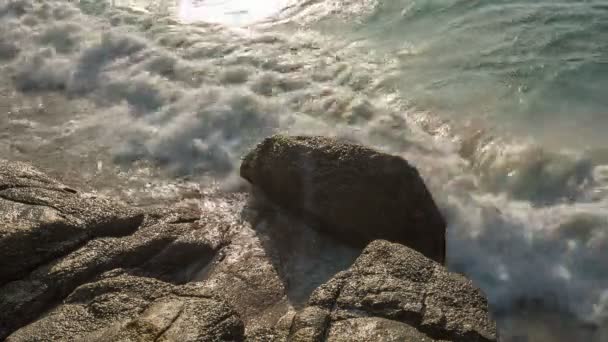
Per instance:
(533,67)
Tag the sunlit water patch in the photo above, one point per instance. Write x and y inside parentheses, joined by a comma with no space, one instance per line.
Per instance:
(227,12)
(230,12)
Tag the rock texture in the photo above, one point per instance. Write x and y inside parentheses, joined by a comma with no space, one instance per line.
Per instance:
(393,293)
(43,219)
(76,267)
(355,193)
(123,307)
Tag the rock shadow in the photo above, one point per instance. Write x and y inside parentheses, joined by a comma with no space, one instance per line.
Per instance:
(303,257)
(178,263)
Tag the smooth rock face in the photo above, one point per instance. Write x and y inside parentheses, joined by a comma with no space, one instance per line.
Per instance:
(354,193)
(393,293)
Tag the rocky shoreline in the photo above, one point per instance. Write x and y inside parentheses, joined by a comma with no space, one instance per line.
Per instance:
(238,266)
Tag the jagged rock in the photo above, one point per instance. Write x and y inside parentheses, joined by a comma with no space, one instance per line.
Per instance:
(201,251)
(354,193)
(150,251)
(43,219)
(204,272)
(123,307)
(393,293)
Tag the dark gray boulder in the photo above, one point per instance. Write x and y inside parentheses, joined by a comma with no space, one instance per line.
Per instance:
(352,192)
(393,293)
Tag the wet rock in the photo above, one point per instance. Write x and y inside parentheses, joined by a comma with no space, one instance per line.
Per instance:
(393,293)
(266,335)
(43,219)
(374,329)
(196,265)
(215,269)
(354,193)
(23,301)
(123,307)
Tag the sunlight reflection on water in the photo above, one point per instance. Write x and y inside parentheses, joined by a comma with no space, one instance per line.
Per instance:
(229,12)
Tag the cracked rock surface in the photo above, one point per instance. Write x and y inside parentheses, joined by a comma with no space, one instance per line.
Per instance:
(78,267)
(123,307)
(43,219)
(393,293)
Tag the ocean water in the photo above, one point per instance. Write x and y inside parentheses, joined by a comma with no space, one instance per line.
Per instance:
(499,104)
(533,66)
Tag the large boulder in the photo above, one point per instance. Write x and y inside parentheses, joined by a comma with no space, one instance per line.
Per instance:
(393,293)
(354,193)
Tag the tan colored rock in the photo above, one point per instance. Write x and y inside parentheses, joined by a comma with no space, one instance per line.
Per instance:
(393,293)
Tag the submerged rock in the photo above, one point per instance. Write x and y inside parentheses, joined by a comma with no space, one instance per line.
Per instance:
(354,193)
(393,293)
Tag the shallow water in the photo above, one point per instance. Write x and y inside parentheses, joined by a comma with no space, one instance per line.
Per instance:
(144,101)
